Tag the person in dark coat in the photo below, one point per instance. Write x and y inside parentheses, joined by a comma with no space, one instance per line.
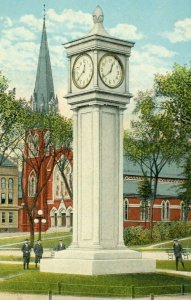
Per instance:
(38,250)
(177,247)
(60,246)
(26,250)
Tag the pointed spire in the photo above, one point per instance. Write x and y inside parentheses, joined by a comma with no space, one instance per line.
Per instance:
(44,86)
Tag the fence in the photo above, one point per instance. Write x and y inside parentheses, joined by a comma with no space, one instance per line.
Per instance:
(64,288)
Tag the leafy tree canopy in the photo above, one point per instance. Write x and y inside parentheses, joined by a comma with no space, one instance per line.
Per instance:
(175,86)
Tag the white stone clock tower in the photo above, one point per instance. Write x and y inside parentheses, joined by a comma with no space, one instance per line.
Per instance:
(98,81)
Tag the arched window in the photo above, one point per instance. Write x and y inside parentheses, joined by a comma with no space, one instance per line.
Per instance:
(32,185)
(144,210)
(3,183)
(182,211)
(33,144)
(47,143)
(60,191)
(125,209)
(10,183)
(58,185)
(165,210)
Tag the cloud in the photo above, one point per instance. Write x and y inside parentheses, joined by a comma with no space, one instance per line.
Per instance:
(7,22)
(159,51)
(181,33)
(145,63)
(126,31)
(18,33)
(32,22)
(71,19)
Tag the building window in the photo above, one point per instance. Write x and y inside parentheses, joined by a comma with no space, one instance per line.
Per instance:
(47,143)
(10,184)
(3,220)
(32,183)
(125,210)
(165,211)
(10,198)
(144,210)
(62,169)
(182,212)
(3,183)
(33,145)
(10,217)
(3,198)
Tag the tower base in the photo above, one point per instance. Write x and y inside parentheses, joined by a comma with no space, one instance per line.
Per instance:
(97,262)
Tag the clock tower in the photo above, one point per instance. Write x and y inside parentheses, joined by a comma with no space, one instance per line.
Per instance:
(98,92)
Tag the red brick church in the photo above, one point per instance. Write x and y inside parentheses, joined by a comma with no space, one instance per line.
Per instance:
(54,202)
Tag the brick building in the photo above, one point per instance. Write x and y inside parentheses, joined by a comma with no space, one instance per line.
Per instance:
(167,206)
(9,196)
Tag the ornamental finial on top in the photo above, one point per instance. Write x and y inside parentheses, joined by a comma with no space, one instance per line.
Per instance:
(98,15)
(98,18)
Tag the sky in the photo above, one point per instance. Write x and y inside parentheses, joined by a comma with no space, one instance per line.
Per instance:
(161,30)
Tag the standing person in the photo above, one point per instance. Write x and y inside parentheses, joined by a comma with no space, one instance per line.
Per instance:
(60,246)
(177,247)
(38,250)
(26,249)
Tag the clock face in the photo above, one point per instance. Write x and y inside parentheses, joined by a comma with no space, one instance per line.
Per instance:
(82,71)
(111,70)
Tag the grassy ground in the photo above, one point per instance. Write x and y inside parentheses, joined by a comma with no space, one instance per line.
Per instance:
(49,240)
(32,281)
(104,285)
(170,265)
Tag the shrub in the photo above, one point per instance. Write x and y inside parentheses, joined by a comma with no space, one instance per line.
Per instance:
(162,231)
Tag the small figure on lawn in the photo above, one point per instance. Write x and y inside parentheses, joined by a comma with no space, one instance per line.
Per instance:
(177,247)
(60,246)
(26,249)
(38,250)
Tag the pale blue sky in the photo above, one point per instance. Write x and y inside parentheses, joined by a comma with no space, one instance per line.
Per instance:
(161,30)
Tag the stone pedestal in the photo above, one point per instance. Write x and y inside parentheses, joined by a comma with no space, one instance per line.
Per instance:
(97,262)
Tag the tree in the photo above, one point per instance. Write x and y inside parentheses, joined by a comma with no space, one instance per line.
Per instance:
(175,88)
(152,141)
(145,192)
(37,152)
(185,188)
(3,83)
(12,114)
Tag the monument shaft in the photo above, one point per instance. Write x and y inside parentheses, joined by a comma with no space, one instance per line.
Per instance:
(98,204)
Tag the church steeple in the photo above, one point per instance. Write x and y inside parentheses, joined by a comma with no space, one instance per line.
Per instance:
(44,98)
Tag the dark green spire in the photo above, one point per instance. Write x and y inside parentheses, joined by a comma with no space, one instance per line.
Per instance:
(44,98)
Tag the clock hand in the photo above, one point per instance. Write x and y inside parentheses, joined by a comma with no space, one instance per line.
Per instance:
(104,75)
(83,71)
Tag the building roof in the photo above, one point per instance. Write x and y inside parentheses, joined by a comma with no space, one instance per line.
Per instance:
(171,170)
(169,179)
(5,162)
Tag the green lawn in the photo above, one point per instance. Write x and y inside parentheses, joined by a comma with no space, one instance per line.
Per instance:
(49,240)
(170,265)
(33,281)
